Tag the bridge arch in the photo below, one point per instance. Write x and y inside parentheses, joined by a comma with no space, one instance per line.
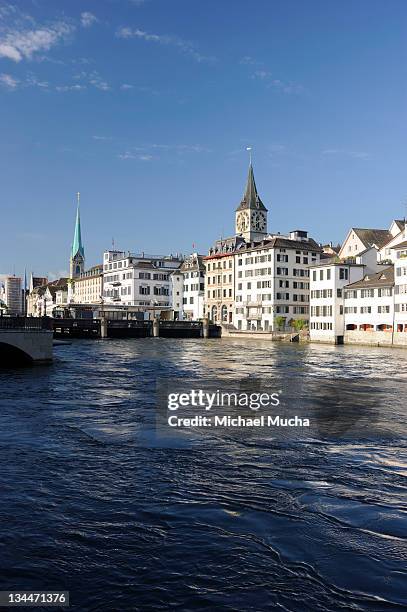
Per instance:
(11,355)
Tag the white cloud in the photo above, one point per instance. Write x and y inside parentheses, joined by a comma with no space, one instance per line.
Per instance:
(247,60)
(19,44)
(102,137)
(55,274)
(262,75)
(75,87)
(100,84)
(181,148)
(140,157)
(92,78)
(354,154)
(9,82)
(125,86)
(287,87)
(10,52)
(88,19)
(184,46)
(32,81)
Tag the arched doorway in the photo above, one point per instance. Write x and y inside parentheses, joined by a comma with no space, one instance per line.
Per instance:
(214,313)
(224,312)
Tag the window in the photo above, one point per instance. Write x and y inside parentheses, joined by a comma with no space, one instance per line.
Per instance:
(343,273)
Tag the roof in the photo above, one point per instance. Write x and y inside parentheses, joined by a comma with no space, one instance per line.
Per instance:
(402,245)
(333,248)
(385,278)
(251,198)
(400,224)
(369,237)
(334,261)
(60,284)
(309,245)
(77,246)
(192,263)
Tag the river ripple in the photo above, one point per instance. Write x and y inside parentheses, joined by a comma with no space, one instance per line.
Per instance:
(235,521)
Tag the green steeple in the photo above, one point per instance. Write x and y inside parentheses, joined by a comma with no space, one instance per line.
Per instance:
(77,246)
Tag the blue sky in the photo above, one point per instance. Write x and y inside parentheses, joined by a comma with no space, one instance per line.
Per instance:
(147,107)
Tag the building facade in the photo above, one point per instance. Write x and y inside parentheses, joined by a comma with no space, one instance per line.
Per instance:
(400,292)
(87,288)
(139,280)
(193,290)
(272,282)
(220,280)
(11,294)
(369,308)
(327,283)
(48,300)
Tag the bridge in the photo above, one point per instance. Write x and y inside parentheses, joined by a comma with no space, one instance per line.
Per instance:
(25,340)
(123,325)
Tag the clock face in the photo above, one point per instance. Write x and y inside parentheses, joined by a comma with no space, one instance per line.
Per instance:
(258,221)
(242,222)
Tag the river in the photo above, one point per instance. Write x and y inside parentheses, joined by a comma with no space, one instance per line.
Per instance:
(93,504)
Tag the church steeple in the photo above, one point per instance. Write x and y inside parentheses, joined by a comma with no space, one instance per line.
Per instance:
(251,198)
(77,259)
(251,214)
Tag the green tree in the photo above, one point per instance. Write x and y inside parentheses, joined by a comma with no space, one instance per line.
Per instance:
(299,324)
(280,322)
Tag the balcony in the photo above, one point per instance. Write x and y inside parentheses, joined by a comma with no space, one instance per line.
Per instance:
(256,316)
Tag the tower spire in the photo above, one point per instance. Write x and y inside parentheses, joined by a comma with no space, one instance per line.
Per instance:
(77,246)
(251,198)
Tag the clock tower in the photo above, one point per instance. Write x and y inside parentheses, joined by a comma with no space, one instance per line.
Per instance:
(251,214)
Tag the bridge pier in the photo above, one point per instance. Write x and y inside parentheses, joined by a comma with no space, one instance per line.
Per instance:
(205,328)
(156,327)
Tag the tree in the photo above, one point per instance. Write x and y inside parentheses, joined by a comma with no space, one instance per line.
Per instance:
(299,324)
(280,322)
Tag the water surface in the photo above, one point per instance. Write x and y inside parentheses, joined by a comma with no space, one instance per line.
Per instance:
(235,521)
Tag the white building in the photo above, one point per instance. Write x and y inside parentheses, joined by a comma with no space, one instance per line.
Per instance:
(272,281)
(400,290)
(327,282)
(139,280)
(188,289)
(359,239)
(177,281)
(87,288)
(11,294)
(387,253)
(369,306)
(48,300)
(193,291)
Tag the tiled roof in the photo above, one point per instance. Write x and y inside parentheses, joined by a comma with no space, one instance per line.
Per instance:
(402,245)
(282,243)
(373,236)
(384,278)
